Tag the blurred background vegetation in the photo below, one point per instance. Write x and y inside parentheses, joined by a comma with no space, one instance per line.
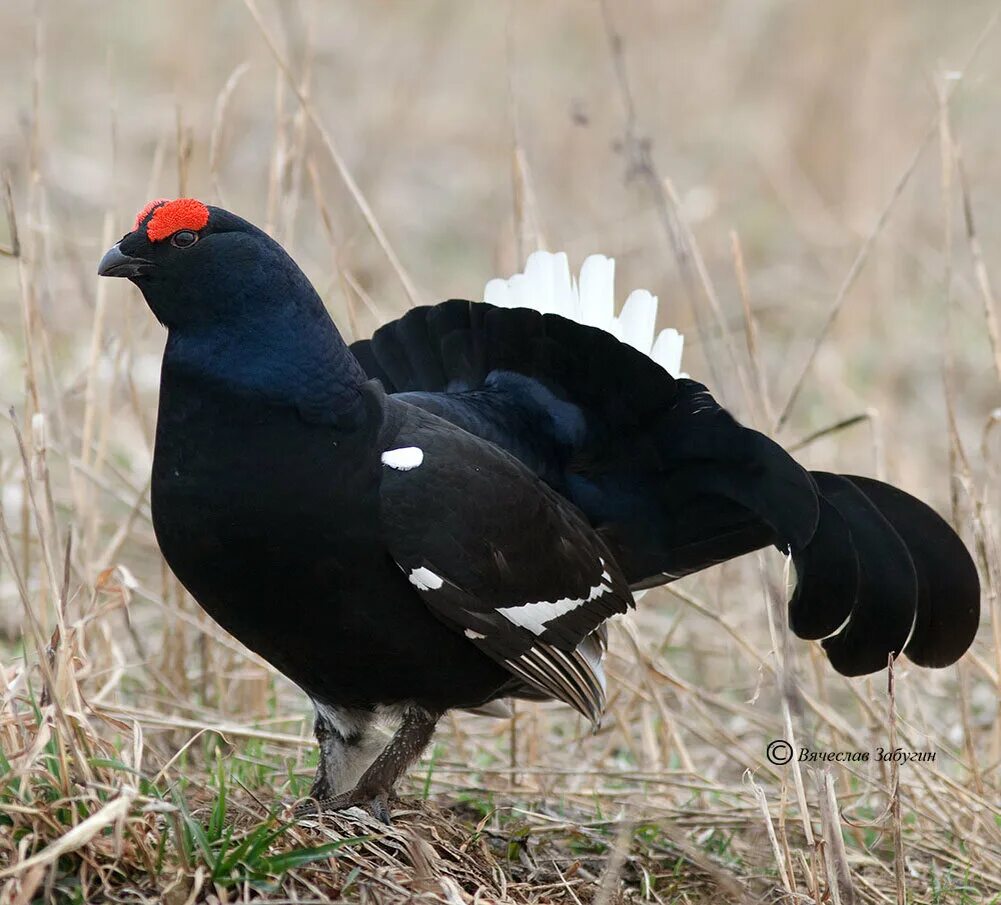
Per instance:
(848,150)
(788,123)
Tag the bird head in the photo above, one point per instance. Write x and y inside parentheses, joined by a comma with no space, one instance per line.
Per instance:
(238,309)
(198,265)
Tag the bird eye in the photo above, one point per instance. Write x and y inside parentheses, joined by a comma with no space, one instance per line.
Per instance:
(183,238)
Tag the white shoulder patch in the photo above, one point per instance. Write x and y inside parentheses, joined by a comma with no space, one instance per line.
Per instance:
(404,458)
(425,580)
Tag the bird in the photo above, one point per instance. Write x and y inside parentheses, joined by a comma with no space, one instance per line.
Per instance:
(447,514)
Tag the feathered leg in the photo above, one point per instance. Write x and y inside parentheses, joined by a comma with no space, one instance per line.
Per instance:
(346,750)
(375,786)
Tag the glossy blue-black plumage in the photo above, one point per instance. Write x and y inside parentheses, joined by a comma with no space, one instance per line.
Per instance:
(274,507)
(465,537)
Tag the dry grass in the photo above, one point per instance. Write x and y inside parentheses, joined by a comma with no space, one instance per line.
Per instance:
(811,190)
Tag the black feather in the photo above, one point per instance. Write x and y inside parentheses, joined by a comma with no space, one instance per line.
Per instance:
(948,584)
(886,601)
(827,577)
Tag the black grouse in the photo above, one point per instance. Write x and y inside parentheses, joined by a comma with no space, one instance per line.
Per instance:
(447,514)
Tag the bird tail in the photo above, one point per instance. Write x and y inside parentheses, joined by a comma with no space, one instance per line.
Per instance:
(675,484)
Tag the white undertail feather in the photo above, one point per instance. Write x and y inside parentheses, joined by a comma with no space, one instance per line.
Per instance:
(547,286)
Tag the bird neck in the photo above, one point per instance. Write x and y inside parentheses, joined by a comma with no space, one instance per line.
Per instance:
(300,362)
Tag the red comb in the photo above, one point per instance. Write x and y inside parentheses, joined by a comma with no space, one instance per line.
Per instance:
(146,211)
(168,217)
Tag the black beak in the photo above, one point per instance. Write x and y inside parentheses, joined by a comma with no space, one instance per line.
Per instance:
(116,264)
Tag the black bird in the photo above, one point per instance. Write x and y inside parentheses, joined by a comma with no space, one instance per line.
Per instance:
(447,514)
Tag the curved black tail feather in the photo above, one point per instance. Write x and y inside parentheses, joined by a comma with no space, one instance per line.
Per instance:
(948,602)
(885,604)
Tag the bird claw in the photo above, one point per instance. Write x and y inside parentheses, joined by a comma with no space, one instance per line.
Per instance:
(375,802)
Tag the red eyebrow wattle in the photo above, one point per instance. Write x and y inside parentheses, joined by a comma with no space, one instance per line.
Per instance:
(147,210)
(171,216)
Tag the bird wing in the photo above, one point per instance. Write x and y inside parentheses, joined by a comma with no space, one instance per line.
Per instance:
(496,554)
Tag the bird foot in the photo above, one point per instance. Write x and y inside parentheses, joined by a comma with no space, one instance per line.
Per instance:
(375,801)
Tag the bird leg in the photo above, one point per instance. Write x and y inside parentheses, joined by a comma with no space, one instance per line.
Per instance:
(345,748)
(322,787)
(375,786)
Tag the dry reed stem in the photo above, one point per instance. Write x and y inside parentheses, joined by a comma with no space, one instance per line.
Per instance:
(980,268)
(641,164)
(862,256)
(218,127)
(342,168)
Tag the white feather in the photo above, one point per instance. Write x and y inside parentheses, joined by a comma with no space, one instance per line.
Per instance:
(667,351)
(539,281)
(564,293)
(496,292)
(534,616)
(425,580)
(405,458)
(638,319)
(521,291)
(547,286)
(597,292)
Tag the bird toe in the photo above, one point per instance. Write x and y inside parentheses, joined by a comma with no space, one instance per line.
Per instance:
(376,802)
(379,808)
